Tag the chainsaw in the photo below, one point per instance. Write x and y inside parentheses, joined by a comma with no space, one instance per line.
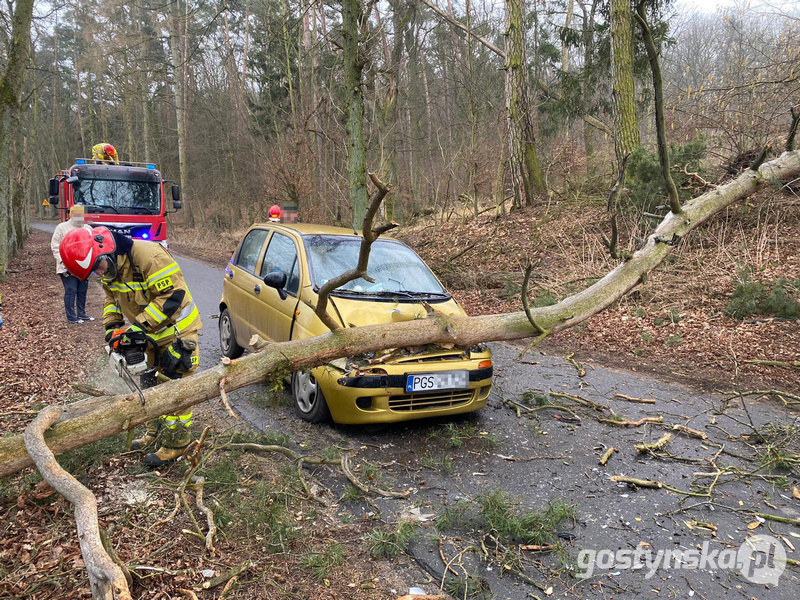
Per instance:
(127,354)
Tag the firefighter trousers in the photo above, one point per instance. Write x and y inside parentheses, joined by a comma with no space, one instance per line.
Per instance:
(175,429)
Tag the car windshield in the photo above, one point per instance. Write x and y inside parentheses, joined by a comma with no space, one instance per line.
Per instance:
(397,270)
(124,197)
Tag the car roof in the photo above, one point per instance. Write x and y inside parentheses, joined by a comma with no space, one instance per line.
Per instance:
(311,229)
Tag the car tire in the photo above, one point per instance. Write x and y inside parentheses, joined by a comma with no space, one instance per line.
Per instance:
(227,339)
(309,402)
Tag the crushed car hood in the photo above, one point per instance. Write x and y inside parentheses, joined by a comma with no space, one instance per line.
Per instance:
(358,313)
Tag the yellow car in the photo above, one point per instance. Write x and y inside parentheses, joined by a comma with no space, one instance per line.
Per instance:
(270,285)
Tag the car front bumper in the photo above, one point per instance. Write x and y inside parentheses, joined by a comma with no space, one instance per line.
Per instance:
(382,398)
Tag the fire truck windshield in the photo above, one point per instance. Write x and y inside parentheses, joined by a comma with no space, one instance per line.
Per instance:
(122,197)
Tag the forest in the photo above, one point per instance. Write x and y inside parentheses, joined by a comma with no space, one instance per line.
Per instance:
(245,104)
(609,189)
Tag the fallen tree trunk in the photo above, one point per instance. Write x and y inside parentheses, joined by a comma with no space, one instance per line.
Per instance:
(93,419)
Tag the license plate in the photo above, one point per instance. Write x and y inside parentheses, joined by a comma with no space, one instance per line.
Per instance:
(424,382)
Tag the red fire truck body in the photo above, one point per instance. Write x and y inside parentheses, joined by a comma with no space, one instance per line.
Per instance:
(126,197)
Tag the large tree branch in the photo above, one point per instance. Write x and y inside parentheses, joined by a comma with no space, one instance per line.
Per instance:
(547,90)
(96,418)
(369,235)
(106,579)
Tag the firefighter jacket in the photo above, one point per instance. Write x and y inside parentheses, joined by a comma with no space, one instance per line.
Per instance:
(149,290)
(99,153)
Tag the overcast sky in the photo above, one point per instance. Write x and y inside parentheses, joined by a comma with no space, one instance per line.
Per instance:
(710,6)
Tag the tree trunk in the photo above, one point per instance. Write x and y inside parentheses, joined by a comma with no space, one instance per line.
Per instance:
(627,129)
(179,95)
(658,102)
(89,420)
(352,14)
(11,83)
(526,174)
(564,47)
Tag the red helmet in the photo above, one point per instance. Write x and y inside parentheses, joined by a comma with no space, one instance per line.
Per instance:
(275,213)
(82,249)
(110,150)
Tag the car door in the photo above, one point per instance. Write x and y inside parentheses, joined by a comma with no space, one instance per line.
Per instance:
(275,314)
(242,284)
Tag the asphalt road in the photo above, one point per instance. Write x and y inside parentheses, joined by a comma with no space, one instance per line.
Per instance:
(546,455)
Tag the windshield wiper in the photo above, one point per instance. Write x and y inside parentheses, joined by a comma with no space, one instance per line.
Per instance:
(101,209)
(389,293)
(147,211)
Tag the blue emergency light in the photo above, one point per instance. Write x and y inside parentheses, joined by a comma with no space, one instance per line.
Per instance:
(81,161)
(151,166)
(145,236)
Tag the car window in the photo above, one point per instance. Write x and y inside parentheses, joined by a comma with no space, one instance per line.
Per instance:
(393,265)
(251,248)
(282,256)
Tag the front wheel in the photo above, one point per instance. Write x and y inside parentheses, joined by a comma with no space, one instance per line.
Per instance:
(227,339)
(309,403)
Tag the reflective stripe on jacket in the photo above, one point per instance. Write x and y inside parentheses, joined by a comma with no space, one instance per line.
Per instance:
(153,296)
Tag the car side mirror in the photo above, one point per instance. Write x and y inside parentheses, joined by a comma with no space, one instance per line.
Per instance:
(53,187)
(176,204)
(176,194)
(277,280)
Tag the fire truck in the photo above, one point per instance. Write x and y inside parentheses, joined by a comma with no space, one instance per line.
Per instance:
(127,197)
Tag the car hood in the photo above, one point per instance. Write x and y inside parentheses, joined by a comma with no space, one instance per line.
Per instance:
(358,313)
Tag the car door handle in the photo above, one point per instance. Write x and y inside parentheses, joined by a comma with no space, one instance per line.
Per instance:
(257,289)
(230,275)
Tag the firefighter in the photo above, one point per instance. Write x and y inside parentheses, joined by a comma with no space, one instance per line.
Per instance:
(105,152)
(275,213)
(74,288)
(144,284)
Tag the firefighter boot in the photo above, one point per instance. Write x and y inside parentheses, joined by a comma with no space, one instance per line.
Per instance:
(173,443)
(149,438)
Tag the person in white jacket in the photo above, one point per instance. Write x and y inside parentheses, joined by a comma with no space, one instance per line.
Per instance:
(74,288)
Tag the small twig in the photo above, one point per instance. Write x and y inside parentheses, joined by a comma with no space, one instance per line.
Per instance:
(444,560)
(690,432)
(543,333)
(224,396)
(627,423)
(225,577)
(606,455)
(779,519)
(663,441)
(649,483)
(197,484)
(171,515)
(578,366)
(590,403)
(228,586)
(89,390)
(345,463)
(634,399)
